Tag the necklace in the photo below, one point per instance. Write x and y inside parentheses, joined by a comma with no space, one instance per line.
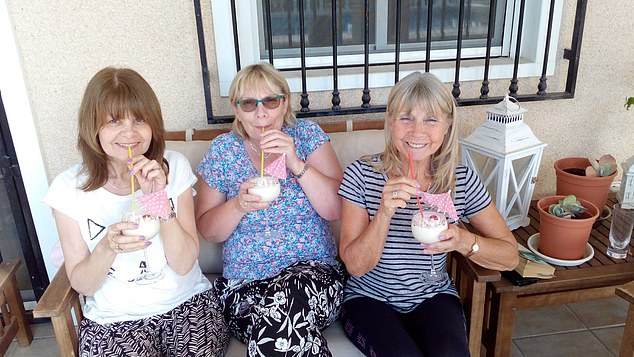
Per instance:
(256,151)
(108,183)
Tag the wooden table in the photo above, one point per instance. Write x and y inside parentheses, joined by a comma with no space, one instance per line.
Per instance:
(13,320)
(594,279)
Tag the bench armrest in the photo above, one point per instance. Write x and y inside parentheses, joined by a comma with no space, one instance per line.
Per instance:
(56,298)
(58,303)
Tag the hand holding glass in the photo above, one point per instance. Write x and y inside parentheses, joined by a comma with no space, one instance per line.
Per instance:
(268,188)
(148,227)
(427,229)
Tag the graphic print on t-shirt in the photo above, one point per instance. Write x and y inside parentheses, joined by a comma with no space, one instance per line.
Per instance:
(96,227)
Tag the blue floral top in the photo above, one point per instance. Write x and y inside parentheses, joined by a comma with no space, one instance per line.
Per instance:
(290,230)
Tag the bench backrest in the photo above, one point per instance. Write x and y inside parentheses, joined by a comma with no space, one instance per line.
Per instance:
(349,146)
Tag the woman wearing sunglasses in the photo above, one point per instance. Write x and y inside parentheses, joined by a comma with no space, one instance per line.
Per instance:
(281,283)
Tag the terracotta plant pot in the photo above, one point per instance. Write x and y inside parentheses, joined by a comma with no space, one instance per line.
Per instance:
(593,189)
(564,238)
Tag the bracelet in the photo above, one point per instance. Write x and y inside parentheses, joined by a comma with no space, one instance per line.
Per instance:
(303,172)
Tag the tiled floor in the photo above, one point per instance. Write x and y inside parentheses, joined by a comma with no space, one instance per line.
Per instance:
(582,329)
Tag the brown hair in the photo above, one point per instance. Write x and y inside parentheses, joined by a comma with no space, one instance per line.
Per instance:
(116,92)
(260,75)
(426,91)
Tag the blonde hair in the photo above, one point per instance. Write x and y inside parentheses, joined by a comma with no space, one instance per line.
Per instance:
(117,92)
(427,92)
(259,76)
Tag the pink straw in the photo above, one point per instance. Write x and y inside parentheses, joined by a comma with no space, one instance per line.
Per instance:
(411,174)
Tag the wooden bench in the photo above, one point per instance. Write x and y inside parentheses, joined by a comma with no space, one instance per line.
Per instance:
(60,299)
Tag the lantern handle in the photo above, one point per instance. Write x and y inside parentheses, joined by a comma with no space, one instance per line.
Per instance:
(513,99)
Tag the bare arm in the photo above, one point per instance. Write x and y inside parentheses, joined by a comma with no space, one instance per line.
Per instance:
(87,271)
(216,217)
(180,240)
(498,247)
(362,240)
(321,181)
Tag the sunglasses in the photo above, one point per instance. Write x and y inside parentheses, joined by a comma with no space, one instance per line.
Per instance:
(270,102)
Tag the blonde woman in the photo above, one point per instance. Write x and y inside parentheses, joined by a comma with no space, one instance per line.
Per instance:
(281,282)
(389,310)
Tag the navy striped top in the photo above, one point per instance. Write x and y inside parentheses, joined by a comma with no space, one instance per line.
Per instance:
(396,279)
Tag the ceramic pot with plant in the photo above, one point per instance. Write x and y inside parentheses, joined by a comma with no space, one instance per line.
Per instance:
(565,223)
(586,178)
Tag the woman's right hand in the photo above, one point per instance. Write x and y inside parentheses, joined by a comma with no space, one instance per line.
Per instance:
(396,192)
(120,243)
(248,203)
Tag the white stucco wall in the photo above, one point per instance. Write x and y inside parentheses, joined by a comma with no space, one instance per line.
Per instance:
(60,45)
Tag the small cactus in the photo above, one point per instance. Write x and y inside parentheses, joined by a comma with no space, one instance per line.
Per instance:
(568,207)
(605,166)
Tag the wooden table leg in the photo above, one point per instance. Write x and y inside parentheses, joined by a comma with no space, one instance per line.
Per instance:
(627,344)
(24,335)
(500,334)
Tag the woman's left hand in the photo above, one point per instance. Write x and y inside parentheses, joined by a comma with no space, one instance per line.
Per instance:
(149,174)
(277,142)
(451,239)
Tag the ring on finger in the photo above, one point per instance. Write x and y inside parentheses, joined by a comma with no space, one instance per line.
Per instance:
(395,194)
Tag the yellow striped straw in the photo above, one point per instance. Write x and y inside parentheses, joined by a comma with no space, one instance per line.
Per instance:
(261,157)
(131,180)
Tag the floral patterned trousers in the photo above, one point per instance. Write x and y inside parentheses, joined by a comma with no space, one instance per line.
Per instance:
(284,315)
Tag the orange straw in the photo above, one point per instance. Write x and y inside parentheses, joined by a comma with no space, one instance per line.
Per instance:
(411,174)
(131,179)
(261,157)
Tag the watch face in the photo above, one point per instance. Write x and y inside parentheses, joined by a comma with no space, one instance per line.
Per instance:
(475,247)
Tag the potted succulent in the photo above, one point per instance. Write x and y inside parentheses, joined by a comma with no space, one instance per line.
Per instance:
(629,102)
(565,223)
(586,178)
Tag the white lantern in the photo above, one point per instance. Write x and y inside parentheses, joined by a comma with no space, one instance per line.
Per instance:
(505,154)
(626,193)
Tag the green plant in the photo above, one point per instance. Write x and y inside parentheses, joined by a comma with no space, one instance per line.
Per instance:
(629,102)
(605,166)
(568,207)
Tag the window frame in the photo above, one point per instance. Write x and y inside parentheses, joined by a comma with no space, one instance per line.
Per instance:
(532,49)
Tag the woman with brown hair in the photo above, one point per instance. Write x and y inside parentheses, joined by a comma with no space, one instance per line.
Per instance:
(145,293)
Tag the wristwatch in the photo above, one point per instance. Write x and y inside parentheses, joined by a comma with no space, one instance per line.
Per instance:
(474,248)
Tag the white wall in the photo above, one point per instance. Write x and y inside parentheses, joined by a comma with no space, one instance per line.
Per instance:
(25,139)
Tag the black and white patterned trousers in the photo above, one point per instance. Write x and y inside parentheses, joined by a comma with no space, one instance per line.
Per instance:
(284,315)
(194,328)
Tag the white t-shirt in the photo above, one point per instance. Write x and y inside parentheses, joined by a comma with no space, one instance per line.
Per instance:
(120,298)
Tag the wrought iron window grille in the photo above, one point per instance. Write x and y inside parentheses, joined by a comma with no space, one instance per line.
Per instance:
(572,55)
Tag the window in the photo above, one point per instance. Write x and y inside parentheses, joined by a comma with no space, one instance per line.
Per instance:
(285,23)
(252,32)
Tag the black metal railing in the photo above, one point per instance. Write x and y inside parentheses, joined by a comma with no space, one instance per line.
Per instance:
(572,55)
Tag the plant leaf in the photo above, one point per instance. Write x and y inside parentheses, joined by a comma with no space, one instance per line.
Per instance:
(591,171)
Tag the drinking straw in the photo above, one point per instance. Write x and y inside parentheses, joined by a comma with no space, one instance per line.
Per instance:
(261,157)
(131,179)
(411,174)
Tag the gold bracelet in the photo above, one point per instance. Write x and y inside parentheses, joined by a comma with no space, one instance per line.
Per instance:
(303,172)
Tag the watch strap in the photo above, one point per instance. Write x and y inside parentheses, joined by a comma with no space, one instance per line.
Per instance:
(475,247)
